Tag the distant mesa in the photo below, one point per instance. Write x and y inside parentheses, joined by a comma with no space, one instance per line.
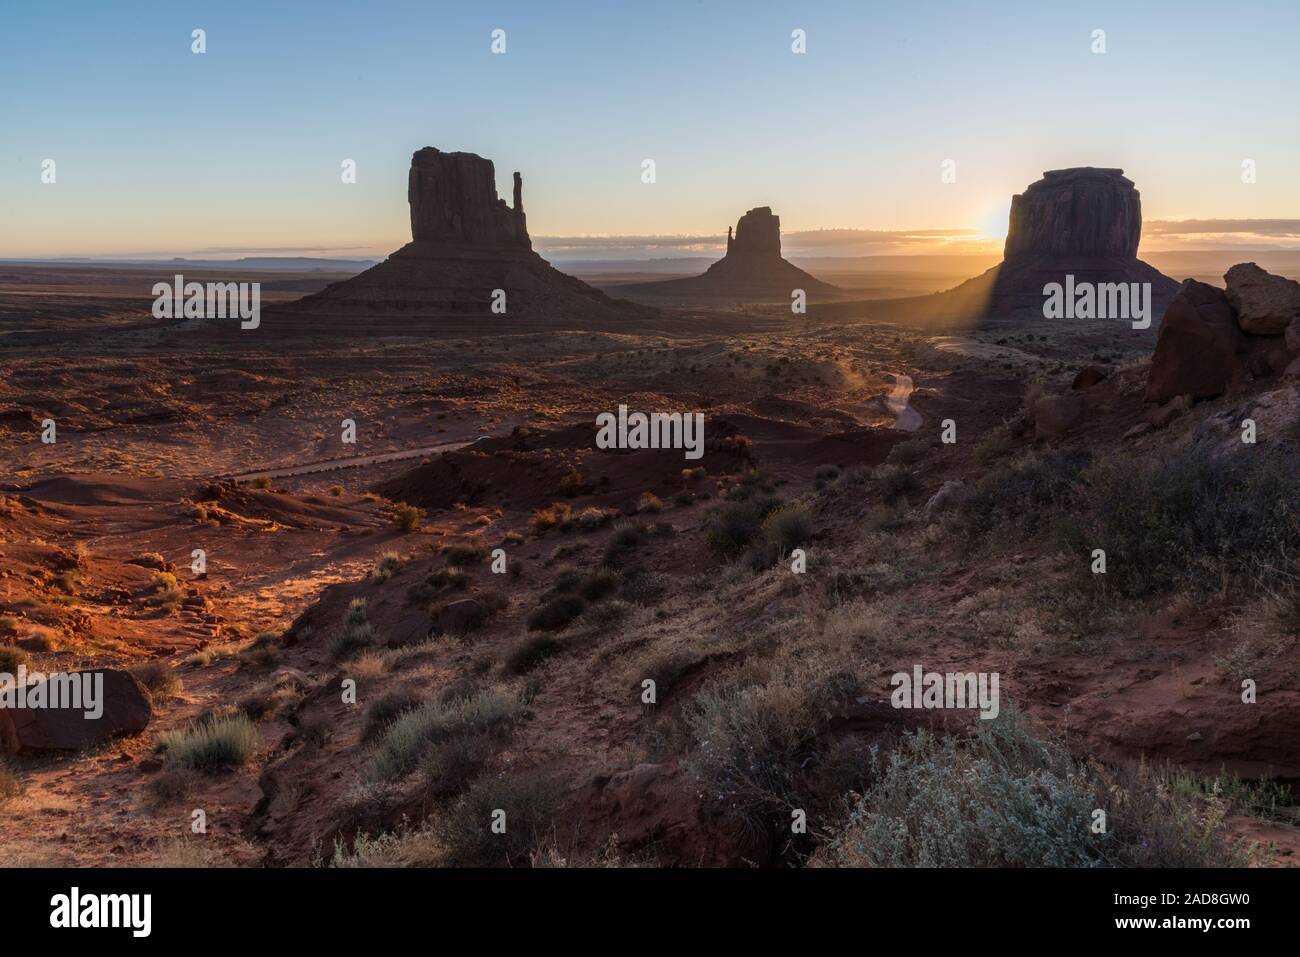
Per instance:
(466,242)
(1084,222)
(752,270)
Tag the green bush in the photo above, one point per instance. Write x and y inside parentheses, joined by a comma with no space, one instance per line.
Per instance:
(1007,798)
(600,583)
(529,652)
(212,744)
(556,613)
(530,801)
(415,733)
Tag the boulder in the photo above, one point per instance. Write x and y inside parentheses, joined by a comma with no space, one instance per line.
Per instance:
(1054,415)
(126,710)
(459,617)
(1264,304)
(1161,416)
(410,630)
(951,494)
(1196,351)
(1088,377)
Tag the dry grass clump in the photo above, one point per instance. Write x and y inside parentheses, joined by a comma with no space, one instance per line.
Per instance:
(407,517)
(159,679)
(211,745)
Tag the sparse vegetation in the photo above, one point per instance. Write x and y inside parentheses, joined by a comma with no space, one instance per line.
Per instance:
(10,658)
(529,652)
(357,632)
(407,517)
(211,745)
(159,679)
(1008,798)
(556,613)
(466,553)
(414,733)
(385,565)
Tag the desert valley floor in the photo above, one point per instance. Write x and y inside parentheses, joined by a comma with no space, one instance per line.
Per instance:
(615,572)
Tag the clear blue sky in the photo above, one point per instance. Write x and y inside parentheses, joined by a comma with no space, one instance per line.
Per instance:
(161,150)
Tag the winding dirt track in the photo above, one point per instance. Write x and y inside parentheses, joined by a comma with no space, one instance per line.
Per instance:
(333,465)
(906,418)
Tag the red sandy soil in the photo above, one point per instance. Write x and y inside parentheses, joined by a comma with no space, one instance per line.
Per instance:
(147,430)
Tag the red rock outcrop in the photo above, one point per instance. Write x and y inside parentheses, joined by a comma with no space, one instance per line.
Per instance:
(1265,304)
(752,270)
(1083,222)
(126,710)
(1196,351)
(1212,340)
(453,198)
(468,247)
(1080,212)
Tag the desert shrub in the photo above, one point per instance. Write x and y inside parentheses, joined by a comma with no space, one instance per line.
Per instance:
(384,567)
(1026,492)
(212,744)
(729,528)
(163,581)
(1188,520)
(1005,797)
(447,770)
(357,632)
(8,626)
(909,451)
(200,659)
(826,473)
(530,801)
(556,613)
(263,482)
(10,785)
(625,537)
(10,658)
(384,710)
(895,481)
(545,519)
(407,517)
(336,490)
(159,679)
(567,580)
(646,588)
(649,502)
(40,638)
(593,518)
(994,446)
(753,741)
(529,652)
(262,652)
(467,553)
(788,527)
(608,614)
(449,579)
(570,483)
(415,733)
(599,583)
